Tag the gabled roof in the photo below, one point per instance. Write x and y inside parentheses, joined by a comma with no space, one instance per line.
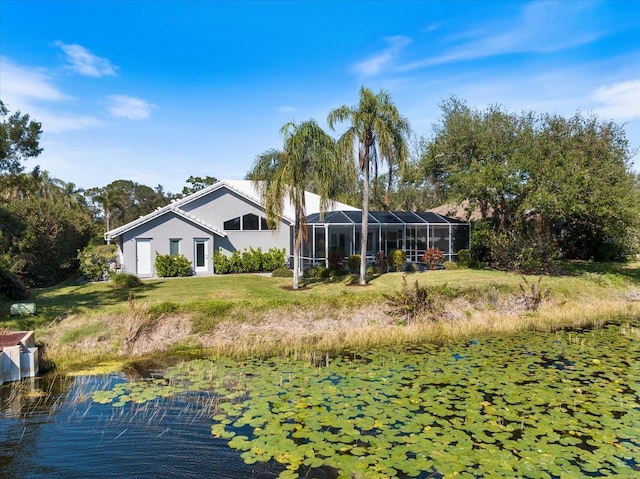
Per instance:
(170,208)
(243,188)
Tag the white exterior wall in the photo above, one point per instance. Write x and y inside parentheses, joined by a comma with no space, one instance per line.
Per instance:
(214,209)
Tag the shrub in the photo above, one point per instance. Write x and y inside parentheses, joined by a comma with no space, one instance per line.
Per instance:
(381,262)
(220,263)
(169,266)
(11,286)
(124,281)
(336,260)
(317,272)
(249,261)
(412,303)
(397,259)
(433,257)
(95,260)
(274,258)
(464,258)
(532,294)
(449,265)
(354,263)
(282,273)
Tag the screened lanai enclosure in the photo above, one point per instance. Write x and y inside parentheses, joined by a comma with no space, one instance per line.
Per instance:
(412,232)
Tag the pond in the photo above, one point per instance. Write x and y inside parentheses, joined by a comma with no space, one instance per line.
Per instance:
(552,405)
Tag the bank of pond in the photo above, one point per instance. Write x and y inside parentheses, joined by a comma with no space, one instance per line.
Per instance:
(530,405)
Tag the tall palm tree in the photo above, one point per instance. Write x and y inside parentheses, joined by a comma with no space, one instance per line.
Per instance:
(379,134)
(307,157)
(71,195)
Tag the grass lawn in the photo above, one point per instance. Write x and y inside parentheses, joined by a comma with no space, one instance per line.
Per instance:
(96,312)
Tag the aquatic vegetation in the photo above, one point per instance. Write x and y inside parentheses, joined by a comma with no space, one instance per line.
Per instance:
(564,404)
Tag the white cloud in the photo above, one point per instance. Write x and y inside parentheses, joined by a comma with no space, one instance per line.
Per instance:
(286,109)
(86,63)
(620,101)
(21,84)
(385,59)
(541,27)
(129,107)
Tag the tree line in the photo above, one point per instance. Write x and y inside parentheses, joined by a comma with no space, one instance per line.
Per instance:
(540,187)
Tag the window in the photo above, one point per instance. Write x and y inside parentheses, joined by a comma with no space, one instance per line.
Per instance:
(174,247)
(250,222)
(233,224)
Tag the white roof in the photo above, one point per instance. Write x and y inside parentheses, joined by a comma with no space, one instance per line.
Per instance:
(312,201)
(245,188)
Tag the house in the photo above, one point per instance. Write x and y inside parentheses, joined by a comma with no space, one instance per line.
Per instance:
(230,216)
(225,217)
(18,356)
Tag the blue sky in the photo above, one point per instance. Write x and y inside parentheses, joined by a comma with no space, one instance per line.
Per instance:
(156,91)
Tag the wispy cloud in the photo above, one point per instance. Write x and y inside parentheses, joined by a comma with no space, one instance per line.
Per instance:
(132,108)
(540,27)
(286,109)
(620,101)
(384,59)
(84,62)
(20,84)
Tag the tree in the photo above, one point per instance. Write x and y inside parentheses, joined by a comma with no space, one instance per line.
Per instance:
(198,183)
(545,185)
(379,134)
(19,140)
(39,239)
(308,157)
(122,201)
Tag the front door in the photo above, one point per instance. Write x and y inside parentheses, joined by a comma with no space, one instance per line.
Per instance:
(201,256)
(143,257)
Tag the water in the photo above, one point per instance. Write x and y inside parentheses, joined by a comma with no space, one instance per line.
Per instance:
(66,435)
(563,404)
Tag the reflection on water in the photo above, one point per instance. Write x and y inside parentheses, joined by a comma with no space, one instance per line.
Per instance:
(49,427)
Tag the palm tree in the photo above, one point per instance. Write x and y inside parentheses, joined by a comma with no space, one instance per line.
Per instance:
(308,157)
(379,133)
(71,195)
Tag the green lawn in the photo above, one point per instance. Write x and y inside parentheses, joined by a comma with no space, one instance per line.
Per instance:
(257,292)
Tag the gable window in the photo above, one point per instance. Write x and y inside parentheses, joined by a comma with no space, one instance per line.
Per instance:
(250,222)
(174,247)
(233,224)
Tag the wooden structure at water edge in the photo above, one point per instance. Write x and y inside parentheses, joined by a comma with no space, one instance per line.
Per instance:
(19,357)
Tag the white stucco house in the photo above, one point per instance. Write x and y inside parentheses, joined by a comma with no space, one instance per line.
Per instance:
(230,215)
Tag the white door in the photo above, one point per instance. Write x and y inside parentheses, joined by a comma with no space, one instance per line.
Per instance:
(201,256)
(143,257)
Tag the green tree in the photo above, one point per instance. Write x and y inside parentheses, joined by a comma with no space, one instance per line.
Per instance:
(122,201)
(546,185)
(308,157)
(41,239)
(198,183)
(378,134)
(19,140)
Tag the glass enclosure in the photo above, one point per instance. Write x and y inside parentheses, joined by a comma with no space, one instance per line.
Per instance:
(412,232)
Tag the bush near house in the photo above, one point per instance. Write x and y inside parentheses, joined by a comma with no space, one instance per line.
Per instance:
(171,266)
(381,263)
(354,263)
(124,281)
(249,261)
(433,257)
(398,258)
(94,261)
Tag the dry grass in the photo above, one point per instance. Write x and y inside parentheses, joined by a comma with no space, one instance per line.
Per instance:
(264,319)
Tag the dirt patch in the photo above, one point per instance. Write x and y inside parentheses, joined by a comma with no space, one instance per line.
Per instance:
(164,333)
